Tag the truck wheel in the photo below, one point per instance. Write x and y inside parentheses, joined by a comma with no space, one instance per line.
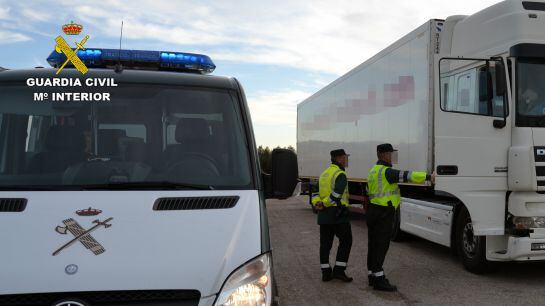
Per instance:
(397,233)
(471,248)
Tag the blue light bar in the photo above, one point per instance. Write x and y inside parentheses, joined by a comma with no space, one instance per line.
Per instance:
(138,59)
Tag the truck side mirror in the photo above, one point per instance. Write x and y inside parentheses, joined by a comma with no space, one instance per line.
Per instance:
(485,85)
(499,123)
(285,174)
(501,90)
(501,82)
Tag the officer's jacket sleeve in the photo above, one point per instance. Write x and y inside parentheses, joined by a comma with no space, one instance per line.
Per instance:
(397,176)
(316,199)
(340,185)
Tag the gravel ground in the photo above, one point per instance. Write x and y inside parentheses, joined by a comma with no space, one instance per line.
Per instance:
(425,273)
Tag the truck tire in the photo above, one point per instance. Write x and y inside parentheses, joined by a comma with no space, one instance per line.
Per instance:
(471,248)
(397,234)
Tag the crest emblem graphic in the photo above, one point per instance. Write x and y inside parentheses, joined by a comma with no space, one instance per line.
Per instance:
(80,234)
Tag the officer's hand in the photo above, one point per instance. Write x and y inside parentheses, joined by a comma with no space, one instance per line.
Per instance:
(319,206)
(433,178)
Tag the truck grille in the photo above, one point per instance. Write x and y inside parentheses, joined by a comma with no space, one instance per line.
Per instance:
(107,298)
(539,157)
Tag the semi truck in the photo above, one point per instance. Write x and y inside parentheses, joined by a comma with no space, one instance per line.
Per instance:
(463,97)
(149,195)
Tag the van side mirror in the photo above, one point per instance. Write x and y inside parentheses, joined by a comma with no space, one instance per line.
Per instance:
(284,176)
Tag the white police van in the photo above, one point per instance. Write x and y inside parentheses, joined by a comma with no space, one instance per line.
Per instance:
(141,186)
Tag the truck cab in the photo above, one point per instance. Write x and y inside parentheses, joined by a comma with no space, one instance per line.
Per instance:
(494,139)
(138,184)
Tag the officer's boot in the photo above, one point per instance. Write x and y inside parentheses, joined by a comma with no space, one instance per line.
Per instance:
(326,274)
(381,283)
(338,273)
(371,278)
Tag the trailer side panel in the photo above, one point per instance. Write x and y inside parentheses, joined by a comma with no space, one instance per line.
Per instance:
(385,99)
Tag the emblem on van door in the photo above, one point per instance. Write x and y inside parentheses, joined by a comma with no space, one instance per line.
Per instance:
(82,235)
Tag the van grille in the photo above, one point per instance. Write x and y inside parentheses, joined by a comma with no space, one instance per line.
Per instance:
(12,205)
(192,203)
(106,298)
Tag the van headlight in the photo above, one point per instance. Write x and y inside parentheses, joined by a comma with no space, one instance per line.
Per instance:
(250,285)
(528,222)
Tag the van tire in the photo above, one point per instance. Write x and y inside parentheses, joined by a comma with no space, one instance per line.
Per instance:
(471,248)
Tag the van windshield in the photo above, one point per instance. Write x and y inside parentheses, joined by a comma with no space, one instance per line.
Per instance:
(146,136)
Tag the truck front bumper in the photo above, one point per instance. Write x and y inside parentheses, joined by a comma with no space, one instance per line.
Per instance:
(520,249)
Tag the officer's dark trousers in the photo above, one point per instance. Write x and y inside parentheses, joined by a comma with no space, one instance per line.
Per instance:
(380,221)
(343,231)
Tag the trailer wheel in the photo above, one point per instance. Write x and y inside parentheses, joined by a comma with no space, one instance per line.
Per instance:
(471,248)
(397,234)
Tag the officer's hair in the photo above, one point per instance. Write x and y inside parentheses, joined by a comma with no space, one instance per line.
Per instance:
(380,154)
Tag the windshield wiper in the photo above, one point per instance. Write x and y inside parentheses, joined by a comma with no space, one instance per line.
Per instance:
(157,185)
(40,188)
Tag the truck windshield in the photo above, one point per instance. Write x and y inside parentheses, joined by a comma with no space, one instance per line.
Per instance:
(531,93)
(146,136)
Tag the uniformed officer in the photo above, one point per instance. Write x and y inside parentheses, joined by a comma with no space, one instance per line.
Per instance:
(332,205)
(384,198)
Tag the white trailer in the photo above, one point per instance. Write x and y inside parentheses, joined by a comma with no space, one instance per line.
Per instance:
(463,97)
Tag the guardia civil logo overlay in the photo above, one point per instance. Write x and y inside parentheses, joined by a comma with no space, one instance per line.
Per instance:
(71,55)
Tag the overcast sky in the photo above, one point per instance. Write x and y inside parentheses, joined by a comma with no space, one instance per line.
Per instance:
(282,51)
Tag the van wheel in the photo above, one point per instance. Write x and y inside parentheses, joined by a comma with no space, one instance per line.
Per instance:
(471,248)
(397,234)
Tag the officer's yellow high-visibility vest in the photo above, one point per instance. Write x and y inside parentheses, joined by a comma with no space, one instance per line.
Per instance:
(381,192)
(326,186)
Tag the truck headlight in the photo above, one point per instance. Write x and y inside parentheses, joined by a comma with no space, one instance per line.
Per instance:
(528,222)
(250,285)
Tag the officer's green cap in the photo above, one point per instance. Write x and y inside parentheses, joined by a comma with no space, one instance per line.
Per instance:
(385,147)
(338,153)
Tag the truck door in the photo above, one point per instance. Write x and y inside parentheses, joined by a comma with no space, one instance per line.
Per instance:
(472,136)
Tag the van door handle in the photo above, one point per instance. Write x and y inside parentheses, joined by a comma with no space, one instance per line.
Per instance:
(447,170)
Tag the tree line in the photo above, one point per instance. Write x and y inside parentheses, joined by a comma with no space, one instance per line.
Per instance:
(265,157)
